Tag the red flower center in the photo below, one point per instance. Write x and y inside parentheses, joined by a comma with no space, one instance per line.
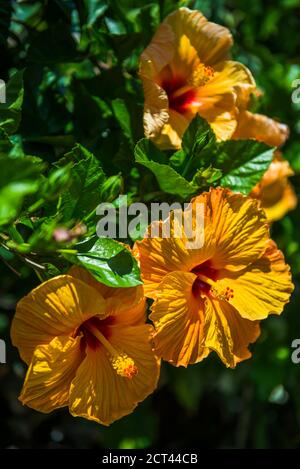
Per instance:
(103,325)
(204,270)
(179,94)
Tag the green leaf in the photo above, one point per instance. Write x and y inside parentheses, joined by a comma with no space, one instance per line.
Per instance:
(237,164)
(84,193)
(123,117)
(11,199)
(243,163)
(10,112)
(197,136)
(18,177)
(168,179)
(108,261)
(206,176)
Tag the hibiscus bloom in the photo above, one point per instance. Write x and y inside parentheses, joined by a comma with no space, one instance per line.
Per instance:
(87,347)
(185,70)
(213,298)
(275,192)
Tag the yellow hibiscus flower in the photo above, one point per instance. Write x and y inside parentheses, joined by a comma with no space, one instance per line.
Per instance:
(213,298)
(275,192)
(87,347)
(185,70)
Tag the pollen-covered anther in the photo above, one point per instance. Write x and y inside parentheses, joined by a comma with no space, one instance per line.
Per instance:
(124,366)
(223,295)
(201,75)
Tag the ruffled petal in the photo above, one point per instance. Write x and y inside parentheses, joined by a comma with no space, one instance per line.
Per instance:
(227,75)
(235,231)
(56,307)
(263,288)
(276,194)
(211,41)
(178,318)
(260,127)
(98,393)
(126,304)
(227,333)
(158,256)
(48,380)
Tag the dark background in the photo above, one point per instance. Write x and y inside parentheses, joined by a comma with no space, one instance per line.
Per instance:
(256,405)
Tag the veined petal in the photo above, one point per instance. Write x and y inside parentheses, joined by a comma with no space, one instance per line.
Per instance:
(56,307)
(263,288)
(178,319)
(159,53)
(210,40)
(52,369)
(278,199)
(171,132)
(227,333)
(156,108)
(274,192)
(98,393)
(126,304)
(227,75)
(239,227)
(260,127)
(223,124)
(159,256)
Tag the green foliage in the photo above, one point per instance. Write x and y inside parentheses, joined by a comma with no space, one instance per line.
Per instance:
(10,112)
(108,261)
(204,162)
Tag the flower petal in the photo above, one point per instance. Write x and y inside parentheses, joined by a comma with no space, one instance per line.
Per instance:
(260,127)
(211,40)
(48,380)
(227,333)
(227,75)
(178,319)
(239,228)
(171,132)
(263,288)
(98,393)
(57,307)
(159,256)
(127,304)
(274,192)
(278,199)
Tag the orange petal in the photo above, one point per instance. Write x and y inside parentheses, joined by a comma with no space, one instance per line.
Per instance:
(56,307)
(169,135)
(98,393)
(210,40)
(263,288)
(227,333)
(127,304)
(278,199)
(178,319)
(275,193)
(235,226)
(262,128)
(48,380)
(159,256)
(227,75)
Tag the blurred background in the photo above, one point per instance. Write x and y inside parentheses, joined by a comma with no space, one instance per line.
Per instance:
(78,56)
